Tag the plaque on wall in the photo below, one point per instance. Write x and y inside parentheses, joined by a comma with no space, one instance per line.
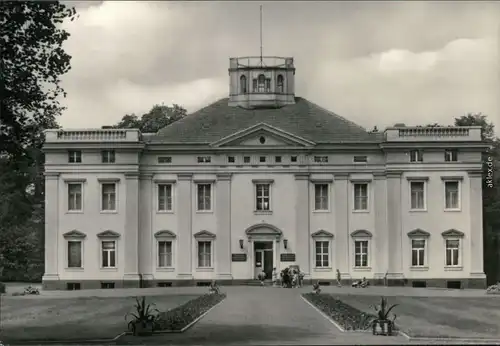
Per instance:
(239,257)
(287,257)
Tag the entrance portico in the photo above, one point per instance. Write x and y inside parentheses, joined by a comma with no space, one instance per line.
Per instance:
(263,246)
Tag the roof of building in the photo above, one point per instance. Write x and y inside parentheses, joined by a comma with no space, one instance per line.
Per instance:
(304,119)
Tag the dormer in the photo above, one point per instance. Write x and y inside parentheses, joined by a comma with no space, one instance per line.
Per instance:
(261,82)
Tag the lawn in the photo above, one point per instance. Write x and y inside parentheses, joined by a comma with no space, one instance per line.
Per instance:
(439,316)
(86,318)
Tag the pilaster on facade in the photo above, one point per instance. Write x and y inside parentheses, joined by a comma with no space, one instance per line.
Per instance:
(476,223)
(131,238)
(146,241)
(394,226)
(223,213)
(342,240)
(302,224)
(51,226)
(382,205)
(185,225)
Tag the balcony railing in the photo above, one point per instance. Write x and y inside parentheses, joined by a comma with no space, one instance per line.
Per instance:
(257,61)
(92,135)
(424,134)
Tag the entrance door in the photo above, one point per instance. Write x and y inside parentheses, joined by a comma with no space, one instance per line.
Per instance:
(259,262)
(264,258)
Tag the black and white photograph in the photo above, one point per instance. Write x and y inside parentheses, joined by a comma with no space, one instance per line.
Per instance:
(249,173)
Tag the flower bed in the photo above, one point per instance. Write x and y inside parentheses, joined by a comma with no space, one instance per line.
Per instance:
(180,317)
(348,317)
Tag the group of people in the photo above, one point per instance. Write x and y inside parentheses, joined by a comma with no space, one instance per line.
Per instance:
(288,278)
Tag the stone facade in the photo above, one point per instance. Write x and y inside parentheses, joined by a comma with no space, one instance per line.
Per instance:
(263,197)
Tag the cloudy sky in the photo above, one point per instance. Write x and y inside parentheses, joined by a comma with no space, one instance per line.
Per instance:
(375,63)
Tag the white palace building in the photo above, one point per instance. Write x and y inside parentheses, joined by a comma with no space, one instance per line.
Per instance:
(258,180)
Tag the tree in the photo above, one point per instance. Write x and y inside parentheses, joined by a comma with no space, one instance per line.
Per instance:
(158,117)
(32,61)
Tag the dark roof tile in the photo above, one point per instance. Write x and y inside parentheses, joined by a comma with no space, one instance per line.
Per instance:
(304,119)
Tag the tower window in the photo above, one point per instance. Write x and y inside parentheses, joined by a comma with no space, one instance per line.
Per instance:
(279,84)
(261,83)
(243,84)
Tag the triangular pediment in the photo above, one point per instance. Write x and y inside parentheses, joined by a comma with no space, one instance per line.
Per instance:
(204,235)
(74,234)
(262,135)
(263,229)
(322,233)
(452,233)
(108,234)
(418,233)
(165,234)
(361,233)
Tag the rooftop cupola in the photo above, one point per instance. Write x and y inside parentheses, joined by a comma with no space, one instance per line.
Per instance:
(261,82)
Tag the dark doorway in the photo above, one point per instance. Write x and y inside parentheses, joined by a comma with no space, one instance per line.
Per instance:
(454,285)
(264,258)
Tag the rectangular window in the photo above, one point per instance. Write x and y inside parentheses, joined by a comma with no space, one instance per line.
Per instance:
(417,191)
(204,159)
(109,254)
(320,159)
(361,196)
(107,285)
(108,156)
(277,159)
(452,194)
(451,155)
(417,252)
(246,159)
(204,254)
(320,196)
(74,156)
(268,85)
(361,253)
(74,254)
(230,159)
(452,252)
(75,196)
(164,197)
(164,254)
(360,159)
(263,197)
(204,192)
(416,156)
(322,254)
(164,159)
(254,85)
(108,196)
(293,158)
(262,159)
(73,286)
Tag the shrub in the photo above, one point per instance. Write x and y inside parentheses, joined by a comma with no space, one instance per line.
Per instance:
(348,317)
(383,310)
(493,289)
(31,290)
(144,314)
(2,288)
(181,316)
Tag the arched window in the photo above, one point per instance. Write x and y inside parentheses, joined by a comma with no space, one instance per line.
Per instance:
(261,81)
(279,84)
(243,84)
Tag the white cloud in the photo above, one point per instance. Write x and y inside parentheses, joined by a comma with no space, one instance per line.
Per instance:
(374,63)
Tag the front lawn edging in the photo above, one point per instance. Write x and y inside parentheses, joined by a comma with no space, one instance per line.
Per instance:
(344,316)
(183,317)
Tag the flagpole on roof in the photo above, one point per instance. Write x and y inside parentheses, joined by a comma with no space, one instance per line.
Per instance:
(261,63)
